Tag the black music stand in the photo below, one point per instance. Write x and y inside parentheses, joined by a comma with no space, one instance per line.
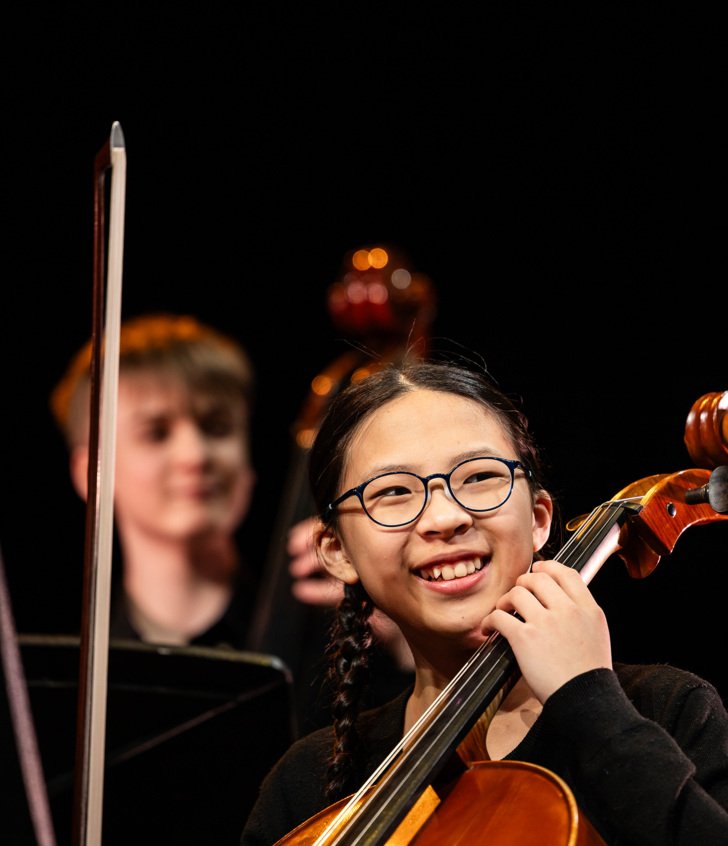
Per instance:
(190,734)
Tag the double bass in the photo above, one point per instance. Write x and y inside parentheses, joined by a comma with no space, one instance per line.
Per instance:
(384,308)
(424,792)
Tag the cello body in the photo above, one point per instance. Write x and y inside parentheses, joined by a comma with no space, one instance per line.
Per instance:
(498,803)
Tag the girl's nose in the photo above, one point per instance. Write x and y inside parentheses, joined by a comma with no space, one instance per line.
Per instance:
(442,513)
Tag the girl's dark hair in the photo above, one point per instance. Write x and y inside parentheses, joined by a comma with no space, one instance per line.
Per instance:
(351,635)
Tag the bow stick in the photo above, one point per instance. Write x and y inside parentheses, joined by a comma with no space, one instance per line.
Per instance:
(94,642)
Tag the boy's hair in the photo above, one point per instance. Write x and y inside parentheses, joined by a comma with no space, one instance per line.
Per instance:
(203,357)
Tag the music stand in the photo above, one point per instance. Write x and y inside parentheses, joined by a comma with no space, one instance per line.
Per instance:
(190,734)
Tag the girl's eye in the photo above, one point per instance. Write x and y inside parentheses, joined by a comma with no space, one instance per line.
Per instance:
(395,491)
(478,477)
(388,489)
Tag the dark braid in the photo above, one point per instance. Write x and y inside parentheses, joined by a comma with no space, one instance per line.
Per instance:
(351,638)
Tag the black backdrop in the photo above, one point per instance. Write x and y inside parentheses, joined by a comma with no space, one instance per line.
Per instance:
(558,173)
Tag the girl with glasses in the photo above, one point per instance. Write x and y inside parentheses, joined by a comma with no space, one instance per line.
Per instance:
(435,511)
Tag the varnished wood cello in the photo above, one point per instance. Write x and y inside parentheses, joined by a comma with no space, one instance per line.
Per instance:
(423,793)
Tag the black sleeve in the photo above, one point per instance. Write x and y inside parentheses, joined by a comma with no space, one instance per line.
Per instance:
(651,769)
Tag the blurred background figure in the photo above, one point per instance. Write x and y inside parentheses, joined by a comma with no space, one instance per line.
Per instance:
(183,480)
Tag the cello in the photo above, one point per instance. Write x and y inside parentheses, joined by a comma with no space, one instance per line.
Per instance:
(424,792)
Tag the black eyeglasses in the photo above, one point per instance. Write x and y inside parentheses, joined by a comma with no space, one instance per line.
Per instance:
(396,499)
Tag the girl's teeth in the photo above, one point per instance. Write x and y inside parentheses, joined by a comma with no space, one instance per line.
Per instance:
(448,572)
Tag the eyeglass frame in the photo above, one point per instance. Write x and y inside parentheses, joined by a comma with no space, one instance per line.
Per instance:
(511,463)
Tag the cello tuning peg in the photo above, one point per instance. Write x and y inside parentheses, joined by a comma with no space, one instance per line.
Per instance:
(714,492)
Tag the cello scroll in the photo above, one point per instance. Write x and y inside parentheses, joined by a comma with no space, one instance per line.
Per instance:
(706,430)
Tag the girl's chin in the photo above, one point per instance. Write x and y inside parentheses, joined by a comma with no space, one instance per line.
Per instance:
(467,637)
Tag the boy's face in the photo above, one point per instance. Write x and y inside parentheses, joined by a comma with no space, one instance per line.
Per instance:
(182,460)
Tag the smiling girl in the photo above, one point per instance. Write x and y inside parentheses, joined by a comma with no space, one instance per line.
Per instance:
(434,510)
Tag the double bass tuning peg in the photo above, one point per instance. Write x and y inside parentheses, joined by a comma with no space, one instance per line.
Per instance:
(714,492)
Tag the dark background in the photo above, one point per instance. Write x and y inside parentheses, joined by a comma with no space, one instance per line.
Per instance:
(558,172)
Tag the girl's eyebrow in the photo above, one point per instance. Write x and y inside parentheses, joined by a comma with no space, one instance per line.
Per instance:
(480,452)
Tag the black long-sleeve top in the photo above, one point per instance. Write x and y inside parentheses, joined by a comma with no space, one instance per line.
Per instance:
(644,749)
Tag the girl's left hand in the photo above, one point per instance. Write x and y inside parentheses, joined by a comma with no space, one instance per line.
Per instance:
(562,633)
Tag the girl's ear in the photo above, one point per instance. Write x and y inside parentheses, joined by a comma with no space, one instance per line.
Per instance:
(334,557)
(543,512)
